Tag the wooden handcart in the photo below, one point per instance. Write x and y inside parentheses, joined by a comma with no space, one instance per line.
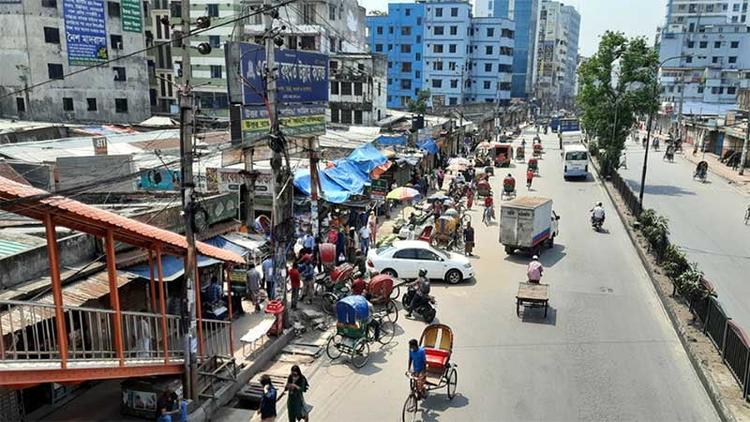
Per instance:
(532,295)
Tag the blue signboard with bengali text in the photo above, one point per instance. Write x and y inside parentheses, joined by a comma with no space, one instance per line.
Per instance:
(85,32)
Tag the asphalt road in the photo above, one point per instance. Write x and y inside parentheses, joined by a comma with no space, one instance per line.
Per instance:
(705,219)
(605,352)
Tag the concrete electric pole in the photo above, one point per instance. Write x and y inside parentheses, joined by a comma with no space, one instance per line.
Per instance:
(188,325)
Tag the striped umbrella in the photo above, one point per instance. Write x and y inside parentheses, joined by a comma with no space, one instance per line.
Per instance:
(403,194)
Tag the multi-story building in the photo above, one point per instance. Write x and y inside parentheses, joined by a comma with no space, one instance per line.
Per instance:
(556,59)
(703,47)
(358,89)
(525,15)
(460,59)
(399,35)
(44,43)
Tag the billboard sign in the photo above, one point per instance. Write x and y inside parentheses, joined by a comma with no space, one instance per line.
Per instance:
(569,125)
(85,32)
(378,189)
(131,15)
(294,119)
(160,179)
(232,179)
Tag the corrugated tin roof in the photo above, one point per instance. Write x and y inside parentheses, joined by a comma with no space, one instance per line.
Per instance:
(126,229)
(9,247)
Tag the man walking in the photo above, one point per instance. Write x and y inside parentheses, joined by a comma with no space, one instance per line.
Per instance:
(468,239)
(252,284)
(294,279)
(534,270)
(267,267)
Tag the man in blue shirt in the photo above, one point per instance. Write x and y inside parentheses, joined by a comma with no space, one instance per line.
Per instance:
(417,364)
(214,292)
(267,266)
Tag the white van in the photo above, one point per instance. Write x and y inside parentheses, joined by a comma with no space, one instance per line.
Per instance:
(575,161)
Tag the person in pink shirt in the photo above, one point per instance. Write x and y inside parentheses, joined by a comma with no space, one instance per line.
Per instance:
(534,271)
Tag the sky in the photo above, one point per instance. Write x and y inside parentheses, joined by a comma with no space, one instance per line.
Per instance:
(633,17)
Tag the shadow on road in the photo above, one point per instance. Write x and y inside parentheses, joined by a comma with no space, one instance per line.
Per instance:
(663,190)
(536,316)
(548,257)
(436,403)
(587,179)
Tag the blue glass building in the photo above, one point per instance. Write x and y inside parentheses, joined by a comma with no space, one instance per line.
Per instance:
(525,15)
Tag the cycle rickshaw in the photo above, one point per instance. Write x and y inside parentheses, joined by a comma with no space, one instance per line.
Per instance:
(356,328)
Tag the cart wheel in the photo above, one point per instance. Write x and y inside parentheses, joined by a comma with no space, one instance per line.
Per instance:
(360,353)
(395,292)
(329,303)
(452,383)
(518,307)
(387,332)
(332,349)
(410,408)
(391,311)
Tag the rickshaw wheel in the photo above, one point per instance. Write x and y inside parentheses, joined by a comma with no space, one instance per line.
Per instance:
(361,353)
(387,332)
(332,349)
(329,303)
(452,379)
(410,408)
(391,311)
(395,292)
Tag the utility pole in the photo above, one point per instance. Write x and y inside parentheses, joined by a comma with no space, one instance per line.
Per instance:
(250,177)
(682,102)
(314,181)
(188,321)
(281,221)
(743,156)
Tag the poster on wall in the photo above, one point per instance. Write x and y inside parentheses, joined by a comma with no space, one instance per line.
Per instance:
(131,15)
(85,32)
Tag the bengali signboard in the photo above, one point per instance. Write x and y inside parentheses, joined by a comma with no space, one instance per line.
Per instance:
(85,32)
(302,92)
(378,189)
(131,15)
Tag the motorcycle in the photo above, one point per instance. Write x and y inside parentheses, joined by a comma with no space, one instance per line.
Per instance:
(596,223)
(426,309)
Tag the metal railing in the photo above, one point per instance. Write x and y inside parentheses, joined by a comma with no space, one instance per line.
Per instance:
(715,324)
(736,354)
(216,338)
(28,331)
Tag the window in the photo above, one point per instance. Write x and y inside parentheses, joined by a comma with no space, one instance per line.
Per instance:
(332,43)
(488,50)
(488,67)
(736,7)
(390,47)
(121,105)
(451,65)
(454,30)
(418,56)
(734,44)
(700,89)
(406,48)
(406,254)
(689,59)
(731,90)
(454,83)
(91,104)
(407,12)
(490,32)
(308,14)
(49,3)
(51,35)
(487,84)
(732,59)
(406,30)
(714,90)
(346,116)
(417,74)
(67,104)
(390,65)
(119,73)
(20,105)
(334,115)
(113,9)
(507,33)
(703,44)
(437,48)
(214,41)
(438,30)
(215,71)
(504,68)
(419,39)
(346,88)
(378,47)
(405,83)
(717,44)
(357,117)
(406,67)
(116,42)
(714,59)
(379,30)
(331,12)
(437,65)
(419,21)
(307,43)
(390,29)
(357,88)
(334,88)
(691,44)
(454,11)
(213,10)
(54,71)
(437,83)
(451,48)
(454,100)
(439,12)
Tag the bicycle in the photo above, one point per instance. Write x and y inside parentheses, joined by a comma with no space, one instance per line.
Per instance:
(747,214)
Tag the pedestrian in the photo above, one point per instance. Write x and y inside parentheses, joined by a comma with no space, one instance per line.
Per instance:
(307,273)
(364,239)
(168,406)
(267,407)
(308,242)
(316,254)
(351,244)
(468,239)
(534,270)
(252,284)
(440,177)
(529,178)
(297,385)
(341,247)
(294,279)
(372,224)
(267,267)
(488,213)
(470,197)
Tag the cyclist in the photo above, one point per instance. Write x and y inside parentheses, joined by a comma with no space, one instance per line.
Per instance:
(417,366)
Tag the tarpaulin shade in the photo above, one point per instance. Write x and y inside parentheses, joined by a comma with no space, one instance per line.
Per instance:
(429,146)
(391,140)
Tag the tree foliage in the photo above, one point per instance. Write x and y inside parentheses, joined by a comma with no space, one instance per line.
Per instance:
(419,104)
(612,96)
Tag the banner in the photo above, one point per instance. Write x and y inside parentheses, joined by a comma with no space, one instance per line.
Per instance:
(131,15)
(85,32)
(294,119)
(160,179)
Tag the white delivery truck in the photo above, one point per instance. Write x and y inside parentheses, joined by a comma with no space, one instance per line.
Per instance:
(528,224)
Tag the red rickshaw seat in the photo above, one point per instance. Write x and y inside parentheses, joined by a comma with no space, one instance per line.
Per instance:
(436,358)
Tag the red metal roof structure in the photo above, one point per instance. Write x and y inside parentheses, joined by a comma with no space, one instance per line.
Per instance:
(82,217)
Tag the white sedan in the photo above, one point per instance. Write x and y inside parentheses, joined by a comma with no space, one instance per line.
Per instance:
(404,258)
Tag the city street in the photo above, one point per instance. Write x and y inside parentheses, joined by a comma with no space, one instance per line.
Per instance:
(705,220)
(606,351)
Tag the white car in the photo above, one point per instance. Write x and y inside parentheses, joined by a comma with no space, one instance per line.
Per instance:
(404,258)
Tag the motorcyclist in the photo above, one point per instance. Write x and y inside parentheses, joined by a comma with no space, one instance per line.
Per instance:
(421,291)
(597,213)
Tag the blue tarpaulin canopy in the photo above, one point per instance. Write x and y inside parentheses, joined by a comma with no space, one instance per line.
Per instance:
(346,178)
(386,140)
(430,146)
(173,266)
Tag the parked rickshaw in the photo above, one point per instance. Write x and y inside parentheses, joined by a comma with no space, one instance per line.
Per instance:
(356,328)
(484,188)
(437,340)
(337,286)
(533,165)
(503,153)
(381,292)
(445,234)
(509,188)
(520,154)
(538,150)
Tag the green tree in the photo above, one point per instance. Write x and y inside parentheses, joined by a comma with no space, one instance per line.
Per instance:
(617,85)
(419,105)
